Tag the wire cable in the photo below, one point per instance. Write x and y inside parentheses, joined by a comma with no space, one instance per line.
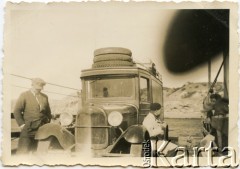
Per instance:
(46,82)
(46,91)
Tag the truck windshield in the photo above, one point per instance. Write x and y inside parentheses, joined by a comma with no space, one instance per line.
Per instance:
(110,87)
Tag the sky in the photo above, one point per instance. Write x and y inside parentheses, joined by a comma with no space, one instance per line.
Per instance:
(55,43)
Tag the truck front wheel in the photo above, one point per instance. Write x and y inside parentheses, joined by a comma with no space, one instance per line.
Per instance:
(49,144)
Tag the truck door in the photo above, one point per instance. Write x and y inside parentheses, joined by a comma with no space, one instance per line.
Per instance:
(144,96)
(157,95)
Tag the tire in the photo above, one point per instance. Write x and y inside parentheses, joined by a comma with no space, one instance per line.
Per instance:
(43,145)
(50,142)
(136,150)
(112,50)
(115,63)
(107,57)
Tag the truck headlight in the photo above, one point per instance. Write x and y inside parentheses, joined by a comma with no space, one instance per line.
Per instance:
(115,118)
(66,119)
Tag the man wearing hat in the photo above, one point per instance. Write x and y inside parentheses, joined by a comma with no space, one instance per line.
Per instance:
(152,122)
(157,131)
(31,111)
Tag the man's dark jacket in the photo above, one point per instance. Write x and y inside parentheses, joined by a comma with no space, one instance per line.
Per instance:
(27,108)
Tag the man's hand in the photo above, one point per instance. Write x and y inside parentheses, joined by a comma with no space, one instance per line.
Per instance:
(21,127)
(159,121)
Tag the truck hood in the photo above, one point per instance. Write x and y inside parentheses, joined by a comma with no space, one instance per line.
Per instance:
(108,108)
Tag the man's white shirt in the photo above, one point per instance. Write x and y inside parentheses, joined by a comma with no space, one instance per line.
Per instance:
(153,125)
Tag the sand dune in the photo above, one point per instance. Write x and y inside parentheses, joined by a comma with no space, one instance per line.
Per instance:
(186,101)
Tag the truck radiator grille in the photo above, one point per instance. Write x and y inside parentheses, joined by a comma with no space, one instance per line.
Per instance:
(89,130)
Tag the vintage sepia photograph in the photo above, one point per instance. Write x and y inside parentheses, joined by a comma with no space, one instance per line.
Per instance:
(144,84)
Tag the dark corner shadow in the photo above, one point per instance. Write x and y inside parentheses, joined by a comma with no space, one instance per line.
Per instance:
(194,36)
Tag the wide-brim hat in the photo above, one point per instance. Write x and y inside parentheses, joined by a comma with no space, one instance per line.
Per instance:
(38,83)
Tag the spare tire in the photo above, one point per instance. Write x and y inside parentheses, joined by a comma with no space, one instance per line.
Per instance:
(112,50)
(112,63)
(108,57)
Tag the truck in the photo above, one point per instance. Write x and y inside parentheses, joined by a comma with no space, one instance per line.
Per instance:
(116,96)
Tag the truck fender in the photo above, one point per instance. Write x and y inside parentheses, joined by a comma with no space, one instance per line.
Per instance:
(66,139)
(134,135)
